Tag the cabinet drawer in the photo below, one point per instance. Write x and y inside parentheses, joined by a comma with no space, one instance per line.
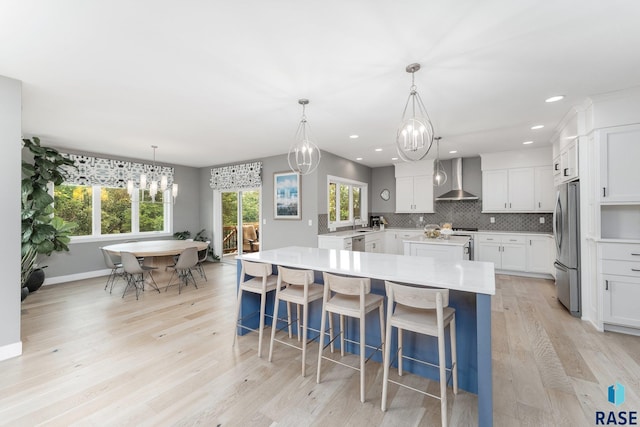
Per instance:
(621,268)
(625,252)
(482,238)
(514,239)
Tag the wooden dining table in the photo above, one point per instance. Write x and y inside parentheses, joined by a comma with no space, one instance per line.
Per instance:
(156,253)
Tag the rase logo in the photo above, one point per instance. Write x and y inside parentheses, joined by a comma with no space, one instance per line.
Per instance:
(615,395)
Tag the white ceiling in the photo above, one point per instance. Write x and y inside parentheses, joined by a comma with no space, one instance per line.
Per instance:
(213,82)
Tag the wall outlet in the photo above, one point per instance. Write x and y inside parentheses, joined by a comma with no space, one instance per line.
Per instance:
(264,221)
(541,220)
(310,222)
(492,220)
(421,218)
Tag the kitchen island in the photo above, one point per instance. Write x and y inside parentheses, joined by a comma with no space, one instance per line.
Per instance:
(471,285)
(455,248)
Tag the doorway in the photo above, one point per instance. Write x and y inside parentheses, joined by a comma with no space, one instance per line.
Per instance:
(240,211)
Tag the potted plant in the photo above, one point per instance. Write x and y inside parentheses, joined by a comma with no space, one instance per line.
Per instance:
(42,233)
(199,237)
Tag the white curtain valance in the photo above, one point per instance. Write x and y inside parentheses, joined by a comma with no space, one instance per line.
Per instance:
(111,173)
(247,175)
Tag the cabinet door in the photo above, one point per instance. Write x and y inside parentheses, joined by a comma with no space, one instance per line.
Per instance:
(494,190)
(490,252)
(545,191)
(538,249)
(442,252)
(423,194)
(619,171)
(404,194)
(557,173)
(570,170)
(373,245)
(521,189)
(514,257)
(621,296)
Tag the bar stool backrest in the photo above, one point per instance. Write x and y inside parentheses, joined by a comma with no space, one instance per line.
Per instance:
(417,297)
(347,285)
(256,269)
(295,277)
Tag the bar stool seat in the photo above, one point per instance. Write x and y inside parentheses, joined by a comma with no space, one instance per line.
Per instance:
(298,289)
(261,283)
(349,296)
(424,311)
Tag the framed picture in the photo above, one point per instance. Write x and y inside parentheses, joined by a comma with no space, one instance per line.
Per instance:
(286,189)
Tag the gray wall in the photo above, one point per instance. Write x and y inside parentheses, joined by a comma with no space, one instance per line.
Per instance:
(343,168)
(10,132)
(84,257)
(381,179)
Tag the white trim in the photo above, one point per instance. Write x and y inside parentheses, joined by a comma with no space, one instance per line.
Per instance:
(76,276)
(114,237)
(10,350)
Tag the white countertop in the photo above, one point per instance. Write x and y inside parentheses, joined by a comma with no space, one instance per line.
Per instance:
(452,241)
(351,233)
(468,276)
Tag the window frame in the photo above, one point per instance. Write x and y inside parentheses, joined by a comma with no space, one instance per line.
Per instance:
(364,202)
(96,218)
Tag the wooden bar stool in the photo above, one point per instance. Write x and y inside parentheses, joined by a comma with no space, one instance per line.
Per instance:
(297,287)
(261,283)
(424,311)
(349,296)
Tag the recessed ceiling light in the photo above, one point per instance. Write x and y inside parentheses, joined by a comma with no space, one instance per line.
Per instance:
(394,158)
(378,149)
(527,142)
(536,127)
(554,98)
(354,136)
(453,151)
(358,158)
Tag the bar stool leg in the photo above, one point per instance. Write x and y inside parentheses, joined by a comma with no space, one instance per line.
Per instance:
(387,364)
(454,355)
(304,336)
(400,331)
(289,318)
(342,334)
(263,303)
(323,319)
(332,345)
(298,324)
(274,324)
(382,334)
(362,358)
(235,332)
(443,375)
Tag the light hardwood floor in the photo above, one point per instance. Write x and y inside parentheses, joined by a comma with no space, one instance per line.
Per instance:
(91,358)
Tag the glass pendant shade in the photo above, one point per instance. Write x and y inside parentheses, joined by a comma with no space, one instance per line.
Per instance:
(163,183)
(439,175)
(415,133)
(143,181)
(155,183)
(174,190)
(130,187)
(304,155)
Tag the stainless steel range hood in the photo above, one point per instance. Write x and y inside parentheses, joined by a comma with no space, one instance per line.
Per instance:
(457,193)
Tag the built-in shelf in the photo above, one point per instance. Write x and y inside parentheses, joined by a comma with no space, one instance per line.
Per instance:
(620,222)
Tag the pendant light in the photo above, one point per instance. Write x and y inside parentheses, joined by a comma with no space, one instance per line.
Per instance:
(439,175)
(415,134)
(155,183)
(304,155)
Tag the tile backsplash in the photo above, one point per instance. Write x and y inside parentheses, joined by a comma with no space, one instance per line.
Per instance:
(462,213)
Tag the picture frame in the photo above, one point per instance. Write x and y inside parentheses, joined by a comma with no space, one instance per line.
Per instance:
(286,195)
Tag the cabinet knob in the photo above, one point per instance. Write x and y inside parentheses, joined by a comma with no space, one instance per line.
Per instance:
(604,191)
(566,172)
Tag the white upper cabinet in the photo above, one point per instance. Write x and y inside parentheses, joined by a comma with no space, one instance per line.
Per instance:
(495,190)
(544,189)
(619,164)
(521,190)
(414,187)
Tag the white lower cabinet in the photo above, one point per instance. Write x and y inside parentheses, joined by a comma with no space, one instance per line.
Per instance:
(539,254)
(334,242)
(620,273)
(506,251)
(374,243)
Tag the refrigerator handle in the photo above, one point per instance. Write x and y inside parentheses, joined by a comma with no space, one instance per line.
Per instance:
(557,222)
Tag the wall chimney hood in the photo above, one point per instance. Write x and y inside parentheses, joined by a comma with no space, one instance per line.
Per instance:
(457,193)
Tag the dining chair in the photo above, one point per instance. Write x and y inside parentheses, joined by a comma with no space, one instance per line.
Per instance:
(202,257)
(423,311)
(135,273)
(187,260)
(116,269)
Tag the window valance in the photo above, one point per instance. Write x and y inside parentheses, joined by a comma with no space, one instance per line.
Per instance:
(247,175)
(111,173)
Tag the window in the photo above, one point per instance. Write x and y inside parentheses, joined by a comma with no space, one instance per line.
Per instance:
(347,202)
(105,211)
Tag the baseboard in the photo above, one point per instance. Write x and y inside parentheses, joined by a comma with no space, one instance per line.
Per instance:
(622,329)
(77,276)
(10,350)
(525,274)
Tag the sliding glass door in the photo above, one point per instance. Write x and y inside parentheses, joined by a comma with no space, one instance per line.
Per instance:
(240,211)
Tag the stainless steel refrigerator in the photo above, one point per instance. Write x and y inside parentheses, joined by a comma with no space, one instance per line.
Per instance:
(566,230)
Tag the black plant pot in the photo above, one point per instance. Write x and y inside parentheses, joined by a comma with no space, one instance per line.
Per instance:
(35,280)
(25,292)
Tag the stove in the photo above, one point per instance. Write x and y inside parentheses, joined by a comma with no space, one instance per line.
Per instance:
(465,228)
(465,231)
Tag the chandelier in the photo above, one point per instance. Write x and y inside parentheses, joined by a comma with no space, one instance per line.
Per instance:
(439,175)
(154,185)
(415,134)
(304,155)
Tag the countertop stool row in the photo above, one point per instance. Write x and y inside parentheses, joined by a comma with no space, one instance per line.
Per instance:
(417,309)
